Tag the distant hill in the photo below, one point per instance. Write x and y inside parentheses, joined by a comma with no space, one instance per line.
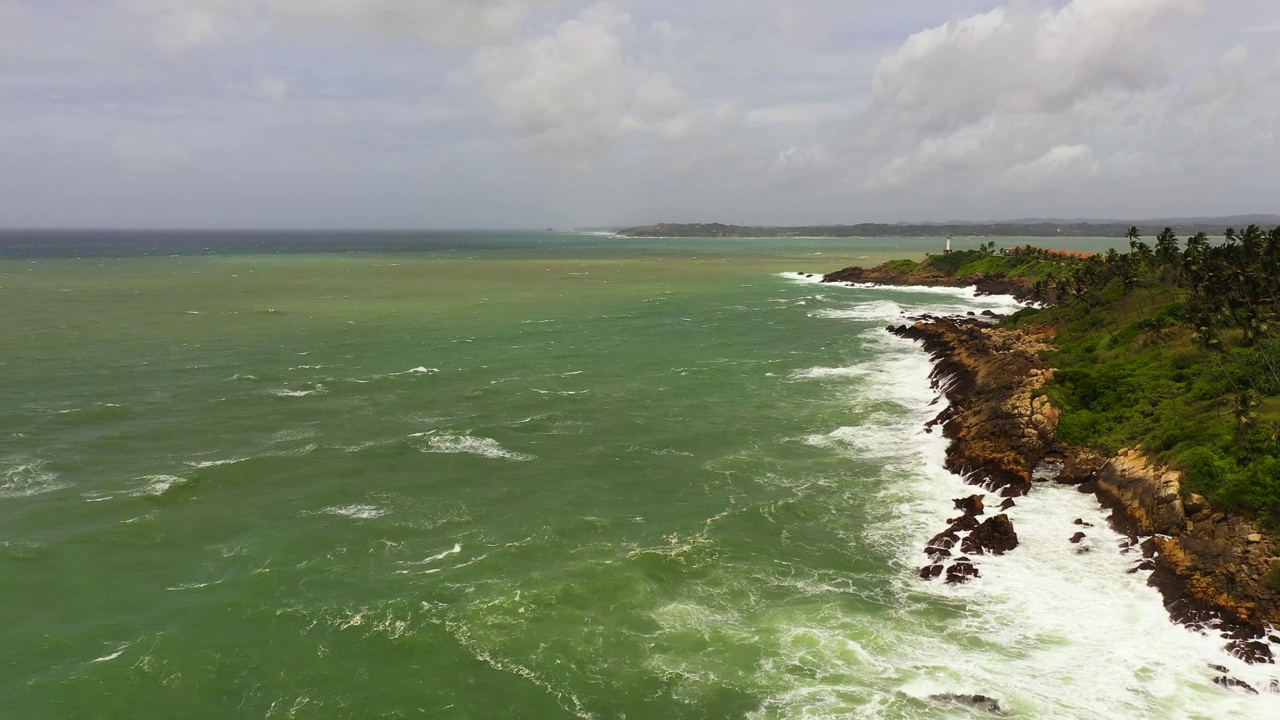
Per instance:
(1014,228)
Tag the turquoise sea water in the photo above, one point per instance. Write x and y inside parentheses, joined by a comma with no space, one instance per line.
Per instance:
(519,476)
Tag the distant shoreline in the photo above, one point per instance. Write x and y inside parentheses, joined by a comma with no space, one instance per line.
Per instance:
(1028,228)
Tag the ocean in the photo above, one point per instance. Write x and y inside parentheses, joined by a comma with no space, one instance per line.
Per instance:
(523,475)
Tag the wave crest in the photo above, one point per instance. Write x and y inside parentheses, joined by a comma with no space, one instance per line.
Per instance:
(450,444)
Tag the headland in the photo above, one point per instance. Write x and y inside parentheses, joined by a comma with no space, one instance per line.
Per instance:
(1146,378)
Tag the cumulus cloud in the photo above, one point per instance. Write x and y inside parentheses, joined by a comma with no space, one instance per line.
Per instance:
(570,95)
(1016,59)
(1001,93)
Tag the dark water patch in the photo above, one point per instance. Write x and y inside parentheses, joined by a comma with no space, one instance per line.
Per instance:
(54,244)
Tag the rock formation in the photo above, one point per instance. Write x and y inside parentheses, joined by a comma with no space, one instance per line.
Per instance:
(1211,566)
(1020,288)
(1000,429)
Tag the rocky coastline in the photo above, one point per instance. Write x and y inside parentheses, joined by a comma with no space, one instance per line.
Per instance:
(1020,288)
(1210,564)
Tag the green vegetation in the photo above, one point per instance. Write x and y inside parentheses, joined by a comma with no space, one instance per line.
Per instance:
(1173,348)
(1036,268)
(903,267)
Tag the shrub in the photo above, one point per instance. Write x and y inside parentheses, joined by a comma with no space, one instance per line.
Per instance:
(1202,470)
(1273,577)
(901,267)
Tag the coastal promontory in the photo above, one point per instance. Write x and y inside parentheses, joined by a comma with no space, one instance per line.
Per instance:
(1149,378)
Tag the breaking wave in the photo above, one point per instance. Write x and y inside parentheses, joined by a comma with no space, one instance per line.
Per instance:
(450,444)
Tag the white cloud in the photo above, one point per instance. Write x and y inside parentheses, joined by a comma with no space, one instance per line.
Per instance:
(569,96)
(1006,93)
(1060,164)
(1017,59)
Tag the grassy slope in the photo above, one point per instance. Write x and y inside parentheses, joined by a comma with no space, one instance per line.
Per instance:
(1129,374)
(975,263)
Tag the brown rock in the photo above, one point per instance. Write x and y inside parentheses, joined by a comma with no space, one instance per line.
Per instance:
(1231,683)
(937,554)
(1079,465)
(1077,537)
(1193,504)
(961,572)
(945,539)
(1253,652)
(1146,497)
(980,702)
(999,431)
(971,505)
(1008,503)
(995,536)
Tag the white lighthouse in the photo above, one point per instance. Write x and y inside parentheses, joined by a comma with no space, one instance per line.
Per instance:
(948,250)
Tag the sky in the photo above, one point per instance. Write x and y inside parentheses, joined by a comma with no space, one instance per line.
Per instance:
(560,113)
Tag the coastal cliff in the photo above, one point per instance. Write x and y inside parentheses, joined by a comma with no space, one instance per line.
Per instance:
(999,428)
(1211,565)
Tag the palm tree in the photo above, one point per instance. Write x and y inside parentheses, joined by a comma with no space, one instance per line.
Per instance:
(1242,406)
(1167,254)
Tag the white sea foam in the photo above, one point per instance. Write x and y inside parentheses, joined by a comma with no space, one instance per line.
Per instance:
(22,478)
(358,512)
(112,656)
(285,392)
(291,434)
(193,586)
(419,371)
(959,300)
(157,485)
(880,311)
(455,550)
(805,278)
(827,373)
(449,443)
(201,465)
(364,445)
